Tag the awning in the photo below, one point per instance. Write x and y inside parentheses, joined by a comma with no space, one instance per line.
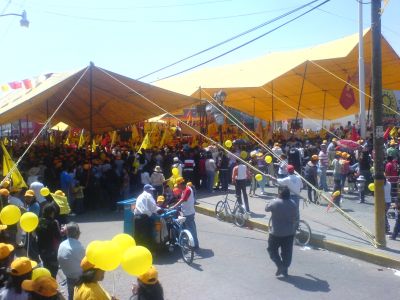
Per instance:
(114,105)
(249,84)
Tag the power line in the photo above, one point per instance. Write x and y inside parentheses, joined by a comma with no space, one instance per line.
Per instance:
(244,44)
(161,21)
(229,39)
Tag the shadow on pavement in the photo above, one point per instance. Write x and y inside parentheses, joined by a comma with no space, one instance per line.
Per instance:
(204,253)
(98,216)
(309,283)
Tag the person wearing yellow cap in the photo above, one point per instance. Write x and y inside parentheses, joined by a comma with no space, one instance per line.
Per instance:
(6,251)
(88,286)
(4,193)
(148,286)
(44,287)
(20,270)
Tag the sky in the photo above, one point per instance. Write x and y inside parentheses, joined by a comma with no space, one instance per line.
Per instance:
(134,38)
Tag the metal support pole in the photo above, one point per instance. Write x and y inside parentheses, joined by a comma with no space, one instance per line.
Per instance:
(91,108)
(47,137)
(323,111)
(272,114)
(378,125)
(254,113)
(361,72)
(301,94)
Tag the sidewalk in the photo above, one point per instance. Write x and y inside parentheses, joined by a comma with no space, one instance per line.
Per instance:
(330,229)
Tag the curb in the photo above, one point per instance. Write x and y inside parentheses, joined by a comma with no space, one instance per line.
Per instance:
(355,252)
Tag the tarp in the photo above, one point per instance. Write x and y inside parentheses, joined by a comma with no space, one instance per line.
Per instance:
(247,83)
(114,105)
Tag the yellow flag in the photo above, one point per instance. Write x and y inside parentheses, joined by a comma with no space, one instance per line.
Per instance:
(113,138)
(393,132)
(94,145)
(135,133)
(163,137)
(5,141)
(67,140)
(62,202)
(145,144)
(8,164)
(52,140)
(5,87)
(81,140)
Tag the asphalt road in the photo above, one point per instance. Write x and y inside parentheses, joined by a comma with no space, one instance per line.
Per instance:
(233,264)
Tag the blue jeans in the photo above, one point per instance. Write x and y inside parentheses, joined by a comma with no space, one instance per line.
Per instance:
(322,179)
(191,226)
(210,180)
(71,282)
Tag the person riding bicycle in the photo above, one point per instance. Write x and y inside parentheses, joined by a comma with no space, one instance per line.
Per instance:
(187,206)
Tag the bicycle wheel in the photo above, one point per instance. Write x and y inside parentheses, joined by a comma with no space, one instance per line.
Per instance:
(187,250)
(220,210)
(303,233)
(239,216)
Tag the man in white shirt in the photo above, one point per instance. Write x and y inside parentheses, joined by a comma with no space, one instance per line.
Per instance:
(70,255)
(144,208)
(240,175)
(293,182)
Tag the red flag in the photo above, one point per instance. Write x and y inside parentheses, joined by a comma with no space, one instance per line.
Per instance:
(15,85)
(347,97)
(387,132)
(27,83)
(354,134)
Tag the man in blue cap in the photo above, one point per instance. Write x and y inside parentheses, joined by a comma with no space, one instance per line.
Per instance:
(145,207)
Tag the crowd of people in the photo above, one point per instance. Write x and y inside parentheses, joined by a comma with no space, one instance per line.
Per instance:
(168,177)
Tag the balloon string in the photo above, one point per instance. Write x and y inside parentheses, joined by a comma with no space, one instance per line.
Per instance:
(113,284)
(27,247)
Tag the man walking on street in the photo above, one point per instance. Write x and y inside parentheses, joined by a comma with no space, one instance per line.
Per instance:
(283,227)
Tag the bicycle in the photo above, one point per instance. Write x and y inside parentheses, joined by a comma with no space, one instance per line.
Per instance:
(238,213)
(178,235)
(303,232)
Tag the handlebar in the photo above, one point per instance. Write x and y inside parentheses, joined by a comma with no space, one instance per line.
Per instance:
(168,213)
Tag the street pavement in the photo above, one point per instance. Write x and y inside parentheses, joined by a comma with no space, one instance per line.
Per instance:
(233,264)
(329,225)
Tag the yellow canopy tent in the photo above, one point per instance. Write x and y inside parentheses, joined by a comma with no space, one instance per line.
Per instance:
(60,126)
(294,79)
(113,105)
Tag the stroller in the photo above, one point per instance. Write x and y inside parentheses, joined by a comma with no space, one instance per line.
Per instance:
(352,180)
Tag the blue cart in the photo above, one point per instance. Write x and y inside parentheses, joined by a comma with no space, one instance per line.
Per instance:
(129,225)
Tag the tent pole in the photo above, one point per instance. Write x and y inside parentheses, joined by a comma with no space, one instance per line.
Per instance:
(27,129)
(254,113)
(301,94)
(323,111)
(47,130)
(91,107)
(20,128)
(272,115)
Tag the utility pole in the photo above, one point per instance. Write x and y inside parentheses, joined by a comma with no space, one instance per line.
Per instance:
(377,123)
(361,72)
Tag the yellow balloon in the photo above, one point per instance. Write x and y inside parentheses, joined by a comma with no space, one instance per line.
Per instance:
(243,154)
(175,171)
(268,159)
(92,249)
(228,143)
(335,194)
(136,260)
(44,191)
(108,256)
(124,241)
(29,221)
(371,187)
(10,214)
(258,177)
(40,272)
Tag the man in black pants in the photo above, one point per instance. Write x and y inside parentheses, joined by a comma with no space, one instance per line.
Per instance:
(240,175)
(284,215)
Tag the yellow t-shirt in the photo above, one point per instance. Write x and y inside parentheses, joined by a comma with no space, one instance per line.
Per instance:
(90,291)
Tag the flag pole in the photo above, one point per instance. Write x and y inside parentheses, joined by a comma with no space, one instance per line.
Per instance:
(91,108)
